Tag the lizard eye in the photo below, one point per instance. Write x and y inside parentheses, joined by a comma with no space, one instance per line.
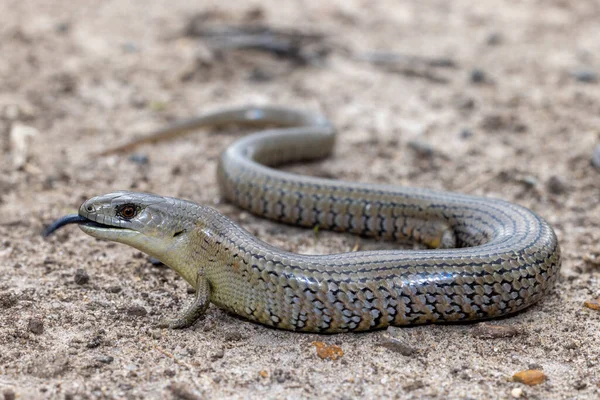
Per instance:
(127,211)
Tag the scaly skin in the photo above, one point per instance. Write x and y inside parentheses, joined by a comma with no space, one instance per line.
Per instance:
(492,258)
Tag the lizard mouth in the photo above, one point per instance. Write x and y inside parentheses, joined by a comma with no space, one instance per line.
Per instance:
(79,220)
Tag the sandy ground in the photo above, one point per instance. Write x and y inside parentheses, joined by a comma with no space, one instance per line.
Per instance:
(512,112)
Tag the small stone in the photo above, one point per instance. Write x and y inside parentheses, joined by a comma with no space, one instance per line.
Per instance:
(398,346)
(396,340)
(62,27)
(571,345)
(156,334)
(114,289)
(95,342)
(9,394)
(580,385)
(220,353)
(478,76)
(422,149)
(555,185)
(139,158)
(8,300)
(493,122)
(105,359)
(414,385)
(81,277)
(466,134)
(529,181)
(35,325)
(264,374)
(465,103)
(260,75)
(183,392)
(530,377)
(233,336)
(585,76)
(328,352)
(486,330)
(494,39)
(596,157)
(499,122)
(137,311)
(593,304)
(516,393)
(281,376)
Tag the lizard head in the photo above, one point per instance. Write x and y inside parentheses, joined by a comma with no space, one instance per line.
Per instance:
(159,226)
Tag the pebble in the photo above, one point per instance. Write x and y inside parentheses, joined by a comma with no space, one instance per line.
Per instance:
(114,289)
(555,185)
(414,385)
(281,376)
(529,181)
(233,336)
(466,133)
(596,157)
(516,393)
(580,385)
(95,342)
(465,103)
(169,372)
(105,359)
(8,300)
(139,158)
(220,353)
(137,311)
(35,325)
(156,334)
(571,345)
(478,76)
(535,365)
(530,377)
(395,340)
(81,277)
(487,331)
(585,76)
(327,351)
(259,75)
(498,122)
(421,148)
(494,39)
(182,391)
(9,394)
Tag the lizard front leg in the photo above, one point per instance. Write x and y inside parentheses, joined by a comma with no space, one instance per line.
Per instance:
(192,312)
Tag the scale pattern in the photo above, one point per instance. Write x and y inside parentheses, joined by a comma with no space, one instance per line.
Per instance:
(489,257)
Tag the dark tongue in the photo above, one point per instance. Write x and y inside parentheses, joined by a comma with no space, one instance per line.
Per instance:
(59,223)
